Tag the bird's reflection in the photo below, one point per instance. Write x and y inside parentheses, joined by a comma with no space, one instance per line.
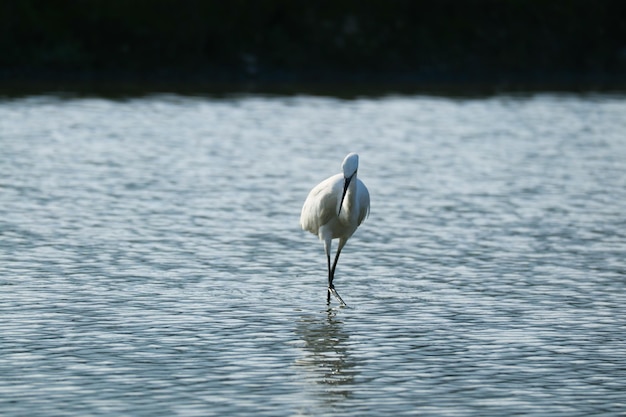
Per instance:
(327,362)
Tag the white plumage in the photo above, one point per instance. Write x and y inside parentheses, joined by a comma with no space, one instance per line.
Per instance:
(334,209)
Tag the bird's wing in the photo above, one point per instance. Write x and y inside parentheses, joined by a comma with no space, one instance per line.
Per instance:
(364,201)
(321,205)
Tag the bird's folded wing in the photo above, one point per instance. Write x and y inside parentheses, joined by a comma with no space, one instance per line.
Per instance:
(364,201)
(320,206)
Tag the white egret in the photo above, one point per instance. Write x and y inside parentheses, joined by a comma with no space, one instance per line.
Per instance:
(334,209)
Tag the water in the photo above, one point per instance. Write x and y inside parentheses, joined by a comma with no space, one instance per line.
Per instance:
(151,262)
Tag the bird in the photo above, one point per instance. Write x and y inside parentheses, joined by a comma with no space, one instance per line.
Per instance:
(334,209)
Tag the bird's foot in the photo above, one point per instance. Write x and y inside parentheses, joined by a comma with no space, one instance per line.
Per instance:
(331,290)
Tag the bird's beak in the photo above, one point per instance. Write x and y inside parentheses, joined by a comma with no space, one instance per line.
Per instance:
(346,184)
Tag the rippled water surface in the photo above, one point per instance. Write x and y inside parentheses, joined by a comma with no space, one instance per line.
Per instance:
(151,261)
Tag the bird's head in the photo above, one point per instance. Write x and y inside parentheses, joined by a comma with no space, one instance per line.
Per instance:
(350,165)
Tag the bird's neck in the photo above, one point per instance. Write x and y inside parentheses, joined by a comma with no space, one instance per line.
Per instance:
(350,199)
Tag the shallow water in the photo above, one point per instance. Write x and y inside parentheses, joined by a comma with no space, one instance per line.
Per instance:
(151,261)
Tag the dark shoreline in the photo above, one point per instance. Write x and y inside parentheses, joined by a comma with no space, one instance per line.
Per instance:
(339,85)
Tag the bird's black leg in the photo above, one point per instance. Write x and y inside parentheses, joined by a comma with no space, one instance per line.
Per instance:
(330,278)
(332,271)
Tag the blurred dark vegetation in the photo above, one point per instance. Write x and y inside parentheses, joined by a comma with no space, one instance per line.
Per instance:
(562,44)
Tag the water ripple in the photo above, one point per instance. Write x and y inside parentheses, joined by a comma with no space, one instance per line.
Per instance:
(151,261)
